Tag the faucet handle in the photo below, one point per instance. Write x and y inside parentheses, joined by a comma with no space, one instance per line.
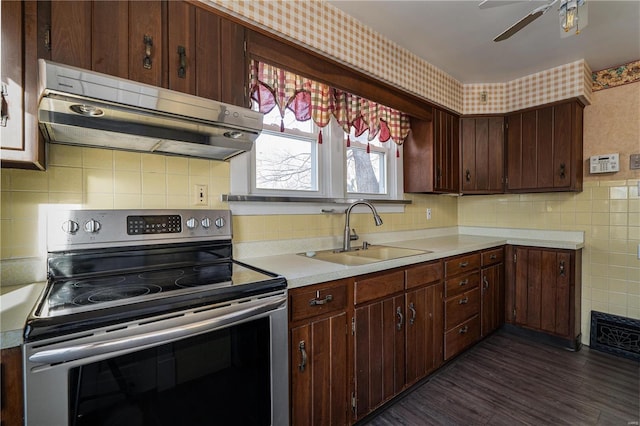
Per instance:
(353,236)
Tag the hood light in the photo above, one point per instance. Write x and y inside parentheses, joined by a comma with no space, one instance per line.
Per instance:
(87,110)
(233,135)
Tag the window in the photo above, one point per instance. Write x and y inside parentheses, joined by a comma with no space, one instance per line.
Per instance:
(291,163)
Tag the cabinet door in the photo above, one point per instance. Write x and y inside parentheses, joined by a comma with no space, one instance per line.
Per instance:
(424,336)
(482,154)
(319,372)
(181,47)
(233,64)
(11,411)
(446,136)
(23,31)
(418,157)
(492,305)
(561,168)
(71,32)
(379,353)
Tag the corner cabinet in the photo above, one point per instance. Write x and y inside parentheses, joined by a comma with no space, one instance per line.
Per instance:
(482,155)
(544,149)
(544,293)
(21,144)
(431,154)
(318,357)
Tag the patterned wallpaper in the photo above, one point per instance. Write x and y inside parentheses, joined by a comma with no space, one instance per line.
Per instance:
(616,76)
(324,28)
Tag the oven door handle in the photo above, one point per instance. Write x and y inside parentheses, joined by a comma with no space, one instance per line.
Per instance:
(71,353)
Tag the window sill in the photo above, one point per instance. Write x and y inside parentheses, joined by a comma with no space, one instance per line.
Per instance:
(271,205)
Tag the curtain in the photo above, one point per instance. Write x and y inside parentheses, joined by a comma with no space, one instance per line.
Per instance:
(274,87)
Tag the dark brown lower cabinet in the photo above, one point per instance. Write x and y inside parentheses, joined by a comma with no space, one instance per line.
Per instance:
(318,354)
(492,288)
(544,294)
(11,412)
(423,298)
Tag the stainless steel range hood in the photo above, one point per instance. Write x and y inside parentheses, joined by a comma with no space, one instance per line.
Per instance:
(80,107)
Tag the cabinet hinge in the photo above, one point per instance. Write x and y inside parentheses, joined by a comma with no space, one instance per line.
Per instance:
(244,46)
(353,402)
(47,38)
(515,258)
(353,326)
(506,125)
(514,314)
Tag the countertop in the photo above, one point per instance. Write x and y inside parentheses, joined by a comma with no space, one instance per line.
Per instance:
(16,302)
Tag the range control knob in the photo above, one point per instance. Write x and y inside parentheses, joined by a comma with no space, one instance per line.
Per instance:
(70,227)
(220,222)
(92,226)
(192,223)
(206,223)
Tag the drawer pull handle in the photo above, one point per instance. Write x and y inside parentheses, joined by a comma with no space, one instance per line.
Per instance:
(464,264)
(493,257)
(303,355)
(463,301)
(464,282)
(400,318)
(328,298)
(412,308)
(463,330)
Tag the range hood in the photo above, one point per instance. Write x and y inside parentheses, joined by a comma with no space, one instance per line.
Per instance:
(80,107)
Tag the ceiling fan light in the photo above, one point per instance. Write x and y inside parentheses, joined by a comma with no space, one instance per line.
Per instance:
(573,15)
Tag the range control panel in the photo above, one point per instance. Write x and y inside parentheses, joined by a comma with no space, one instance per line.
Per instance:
(80,229)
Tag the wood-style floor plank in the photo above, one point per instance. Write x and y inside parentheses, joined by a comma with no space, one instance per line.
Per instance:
(507,380)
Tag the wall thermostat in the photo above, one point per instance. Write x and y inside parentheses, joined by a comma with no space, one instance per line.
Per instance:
(604,163)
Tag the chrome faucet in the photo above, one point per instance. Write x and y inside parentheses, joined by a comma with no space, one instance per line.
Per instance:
(346,244)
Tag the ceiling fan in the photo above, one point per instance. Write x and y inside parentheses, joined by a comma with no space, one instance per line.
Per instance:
(568,13)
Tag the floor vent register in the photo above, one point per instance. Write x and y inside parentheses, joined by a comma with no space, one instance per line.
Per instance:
(615,335)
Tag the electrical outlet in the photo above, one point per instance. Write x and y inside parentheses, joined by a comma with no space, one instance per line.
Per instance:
(428,214)
(201,195)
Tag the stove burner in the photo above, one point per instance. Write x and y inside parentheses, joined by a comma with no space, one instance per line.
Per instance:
(206,275)
(161,275)
(117,293)
(98,282)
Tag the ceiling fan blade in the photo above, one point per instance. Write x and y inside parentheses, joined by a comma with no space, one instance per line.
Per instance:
(532,16)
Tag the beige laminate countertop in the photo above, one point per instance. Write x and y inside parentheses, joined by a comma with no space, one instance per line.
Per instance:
(301,270)
(16,302)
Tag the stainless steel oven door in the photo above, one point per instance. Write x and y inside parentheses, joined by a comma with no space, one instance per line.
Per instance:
(221,364)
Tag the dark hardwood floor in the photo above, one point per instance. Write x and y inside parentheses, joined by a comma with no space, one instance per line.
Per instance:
(506,380)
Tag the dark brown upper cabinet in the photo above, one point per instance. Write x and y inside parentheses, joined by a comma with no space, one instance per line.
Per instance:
(544,149)
(214,67)
(482,155)
(431,154)
(21,143)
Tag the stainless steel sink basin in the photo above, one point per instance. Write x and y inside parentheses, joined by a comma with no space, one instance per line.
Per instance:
(362,256)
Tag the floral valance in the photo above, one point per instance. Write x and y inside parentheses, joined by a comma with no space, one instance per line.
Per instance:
(308,99)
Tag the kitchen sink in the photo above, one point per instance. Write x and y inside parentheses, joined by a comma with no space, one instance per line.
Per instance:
(363,256)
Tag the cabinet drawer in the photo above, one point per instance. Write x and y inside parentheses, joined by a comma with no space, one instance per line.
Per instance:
(307,302)
(461,264)
(460,308)
(461,337)
(457,285)
(491,257)
(373,287)
(423,274)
